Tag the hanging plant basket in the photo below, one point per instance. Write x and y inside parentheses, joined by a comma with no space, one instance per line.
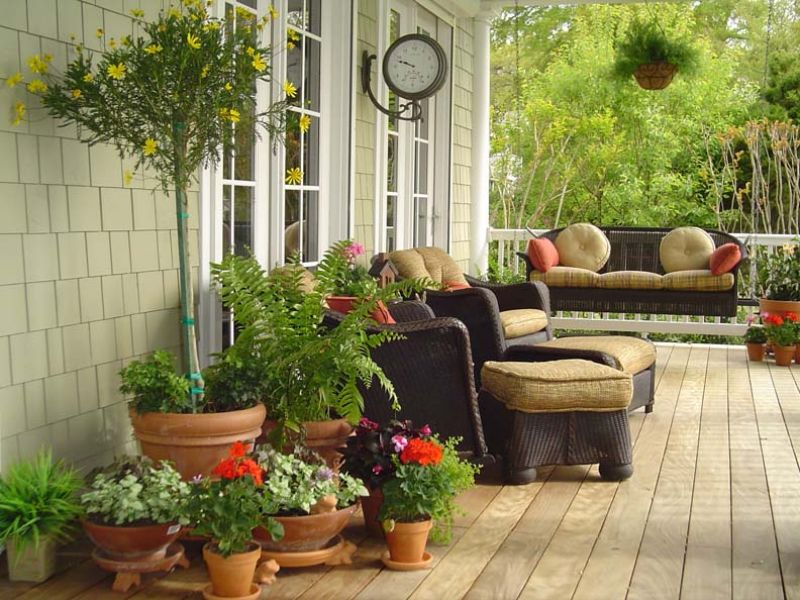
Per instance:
(655,76)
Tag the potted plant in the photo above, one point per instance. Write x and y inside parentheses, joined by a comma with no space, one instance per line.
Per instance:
(313,369)
(192,433)
(652,56)
(227,507)
(311,502)
(782,333)
(38,507)
(755,338)
(369,455)
(779,276)
(421,495)
(135,509)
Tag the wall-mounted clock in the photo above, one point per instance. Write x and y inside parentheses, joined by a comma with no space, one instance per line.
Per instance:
(414,68)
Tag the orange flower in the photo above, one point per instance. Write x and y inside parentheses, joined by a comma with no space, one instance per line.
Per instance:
(422,452)
(237,450)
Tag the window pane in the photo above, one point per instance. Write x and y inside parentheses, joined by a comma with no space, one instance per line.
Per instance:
(250,3)
(391,163)
(393,121)
(227,155)
(311,216)
(421,221)
(391,207)
(421,169)
(291,233)
(421,125)
(243,220)
(227,228)
(296,14)
(314,16)
(294,64)
(311,85)
(245,140)
(293,142)
(311,153)
(394,26)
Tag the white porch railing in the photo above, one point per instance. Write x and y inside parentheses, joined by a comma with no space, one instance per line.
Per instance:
(507,242)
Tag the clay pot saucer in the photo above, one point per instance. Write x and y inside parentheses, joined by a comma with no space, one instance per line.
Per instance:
(255,592)
(336,552)
(129,573)
(394,565)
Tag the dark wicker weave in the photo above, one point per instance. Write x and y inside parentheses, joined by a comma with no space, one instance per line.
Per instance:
(637,249)
(431,369)
(530,440)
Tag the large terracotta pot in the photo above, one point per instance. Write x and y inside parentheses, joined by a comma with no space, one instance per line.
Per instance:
(344,304)
(306,533)
(132,543)
(779,307)
(755,351)
(407,541)
(231,577)
(196,443)
(371,506)
(324,437)
(654,76)
(784,355)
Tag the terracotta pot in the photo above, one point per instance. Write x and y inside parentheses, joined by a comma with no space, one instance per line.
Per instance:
(196,443)
(324,437)
(784,355)
(780,307)
(35,562)
(755,351)
(231,577)
(407,541)
(371,506)
(133,543)
(655,76)
(306,533)
(344,304)
(797,354)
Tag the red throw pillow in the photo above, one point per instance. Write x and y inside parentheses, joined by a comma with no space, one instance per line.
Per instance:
(452,286)
(724,259)
(543,254)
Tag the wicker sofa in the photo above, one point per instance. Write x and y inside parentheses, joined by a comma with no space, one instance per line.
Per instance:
(637,250)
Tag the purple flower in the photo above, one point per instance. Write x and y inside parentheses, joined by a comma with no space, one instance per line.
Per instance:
(425,430)
(399,442)
(377,469)
(365,423)
(324,474)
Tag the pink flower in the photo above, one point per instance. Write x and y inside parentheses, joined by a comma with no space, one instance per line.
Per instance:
(425,430)
(353,250)
(377,469)
(399,442)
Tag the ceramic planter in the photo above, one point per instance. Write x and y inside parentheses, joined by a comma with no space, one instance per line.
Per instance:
(344,304)
(654,76)
(371,506)
(324,437)
(124,543)
(755,351)
(779,307)
(232,576)
(196,443)
(407,541)
(34,563)
(307,532)
(784,355)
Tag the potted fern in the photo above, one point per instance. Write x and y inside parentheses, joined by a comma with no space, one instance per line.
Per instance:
(652,56)
(38,509)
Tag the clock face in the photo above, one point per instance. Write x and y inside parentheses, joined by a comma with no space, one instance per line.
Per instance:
(414,66)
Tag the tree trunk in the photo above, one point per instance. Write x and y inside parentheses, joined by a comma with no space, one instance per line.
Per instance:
(188,332)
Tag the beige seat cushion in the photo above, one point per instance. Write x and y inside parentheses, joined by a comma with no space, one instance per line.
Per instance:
(686,249)
(632,355)
(630,280)
(583,246)
(567,277)
(427,263)
(522,321)
(557,386)
(701,280)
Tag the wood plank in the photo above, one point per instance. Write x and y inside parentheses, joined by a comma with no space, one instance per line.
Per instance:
(707,572)
(756,571)
(69,584)
(659,565)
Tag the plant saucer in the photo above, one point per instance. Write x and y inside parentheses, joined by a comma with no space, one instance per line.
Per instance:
(425,563)
(255,592)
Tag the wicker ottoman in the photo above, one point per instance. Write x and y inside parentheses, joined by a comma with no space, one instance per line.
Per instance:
(561,412)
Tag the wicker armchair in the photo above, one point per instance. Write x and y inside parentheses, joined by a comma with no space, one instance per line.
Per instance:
(431,369)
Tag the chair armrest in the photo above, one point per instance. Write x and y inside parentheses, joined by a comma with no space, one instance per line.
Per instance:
(410,310)
(544,354)
(526,294)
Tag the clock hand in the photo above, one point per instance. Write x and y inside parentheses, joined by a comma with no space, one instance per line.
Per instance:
(408,64)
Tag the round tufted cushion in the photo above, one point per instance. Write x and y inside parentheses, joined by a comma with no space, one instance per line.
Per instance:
(686,249)
(584,246)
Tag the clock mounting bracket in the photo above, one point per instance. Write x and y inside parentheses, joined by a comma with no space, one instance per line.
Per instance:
(408,111)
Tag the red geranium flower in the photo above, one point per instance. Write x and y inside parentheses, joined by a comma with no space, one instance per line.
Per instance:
(237,450)
(776,320)
(422,452)
(790,316)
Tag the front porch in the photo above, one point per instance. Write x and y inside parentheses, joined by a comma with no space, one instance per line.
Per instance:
(710,512)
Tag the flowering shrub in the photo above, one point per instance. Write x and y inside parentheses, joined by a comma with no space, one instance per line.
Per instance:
(782,330)
(779,273)
(370,453)
(229,508)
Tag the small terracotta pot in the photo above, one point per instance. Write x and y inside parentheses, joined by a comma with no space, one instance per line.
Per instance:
(344,304)
(307,532)
(231,577)
(407,541)
(132,543)
(777,307)
(196,443)
(371,506)
(323,437)
(755,351)
(654,76)
(784,355)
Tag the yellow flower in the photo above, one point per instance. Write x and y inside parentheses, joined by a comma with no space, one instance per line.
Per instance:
(48,58)
(14,80)
(127,176)
(76,94)
(99,33)
(289,89)
(126,40)
(250,51)
(228,87)
(193,41)
(294,176)
(258,63)
(88,77)
(211,26)
(36,64)
(204,72)
(116,71)
(153,49)
(233,115)
(273,13)
(19,112)
(290,45)
(137,12)
(174,13)
(150,146)
(37,86)
(305,123)
(112,43)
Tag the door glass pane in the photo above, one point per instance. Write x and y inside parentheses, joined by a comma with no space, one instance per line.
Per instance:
(311,152)
(245,139)
(227,226)
(391,209)
(296,14)
(314,12)
(292,149)
(421,221)
(311,215)
(310,86)
(391,163)
(243,219)
(292,233)
(421,169)
(294,65)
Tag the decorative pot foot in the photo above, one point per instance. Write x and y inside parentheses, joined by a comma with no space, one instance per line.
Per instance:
(344,556)
(265,572)
(337,552)
(129,572)
(255,592)
(394,565)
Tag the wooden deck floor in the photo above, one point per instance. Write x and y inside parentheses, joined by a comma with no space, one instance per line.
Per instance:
(712,511)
